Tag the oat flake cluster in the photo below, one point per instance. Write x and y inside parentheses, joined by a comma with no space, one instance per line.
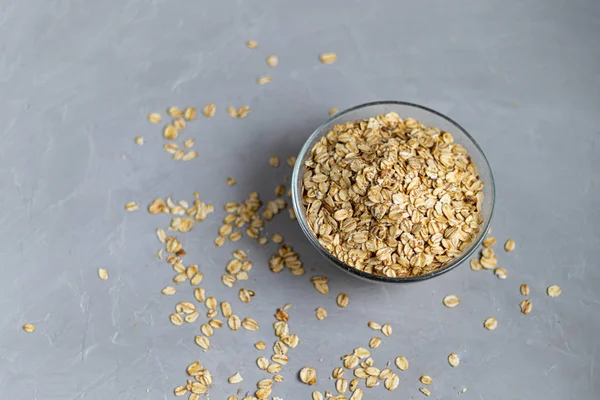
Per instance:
(392,197)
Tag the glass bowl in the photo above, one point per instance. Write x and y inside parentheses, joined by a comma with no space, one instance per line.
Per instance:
(426,116)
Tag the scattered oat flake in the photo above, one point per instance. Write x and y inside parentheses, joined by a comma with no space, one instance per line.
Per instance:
(29,328)
(209,110)
(426,380)
(174,111)
(260,345)
(190,155)
(386,329)
(189,143)
(374,325)
(391,383)
(236,378)
(102,274)
(451,301)
(342,301)
(291,161)
(132,206)
(171,148)
(401,362)
(554,291)
(308,375)
(524,289)
(272,61)
(251,44)
(170,132)
(490,324)
(154,118)
(202,342)
(425,391)
(190,113)
(179,123)
(453,359)
(139,140)
(489,241)
(180,391)
(243,111)
(333,111)
(264,80)
(509,245)
(526,306)
(475,264)
(500,273)
(374,342)
(328,58)
(169,291)
(176,319)
(231,181)
(161,235)
(232,112)
(274,161)
(321,313)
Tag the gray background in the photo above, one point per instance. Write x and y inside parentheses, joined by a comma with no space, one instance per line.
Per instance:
(77,79)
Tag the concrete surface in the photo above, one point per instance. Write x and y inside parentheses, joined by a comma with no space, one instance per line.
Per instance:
(77,79)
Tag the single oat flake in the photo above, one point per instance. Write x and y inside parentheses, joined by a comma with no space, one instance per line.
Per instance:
(251,44)
(342,300)
(190,113)
(170,132)
(102,274)
(500,273)
(308,375)
(425,391)
(554,291)
(526,306)
(426,380)
(209,110)
(272,61)
(453,359)
(509,245)
(489,241)
(132,206)
(274,161)
(451,301)
(264,80)
(490,324)
(524,289)
(374,325)
(321,313)
(236,378)
(154,118)
(402,363)
(386,329)
(29,328)
(333,111)
(328,58)
(374,342)
(169,291)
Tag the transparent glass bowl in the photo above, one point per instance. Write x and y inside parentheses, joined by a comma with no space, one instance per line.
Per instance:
(404,110)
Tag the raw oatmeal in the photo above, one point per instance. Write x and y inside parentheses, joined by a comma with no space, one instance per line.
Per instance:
(392,197)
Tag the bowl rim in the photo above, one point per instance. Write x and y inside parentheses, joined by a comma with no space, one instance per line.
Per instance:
(299,207)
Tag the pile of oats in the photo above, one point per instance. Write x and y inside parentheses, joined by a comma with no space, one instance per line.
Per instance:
(392,197)
(202,380)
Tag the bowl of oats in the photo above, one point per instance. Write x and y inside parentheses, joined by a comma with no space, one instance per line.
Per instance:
(393,192)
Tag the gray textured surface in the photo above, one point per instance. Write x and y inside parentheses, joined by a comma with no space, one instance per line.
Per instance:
(77,81)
